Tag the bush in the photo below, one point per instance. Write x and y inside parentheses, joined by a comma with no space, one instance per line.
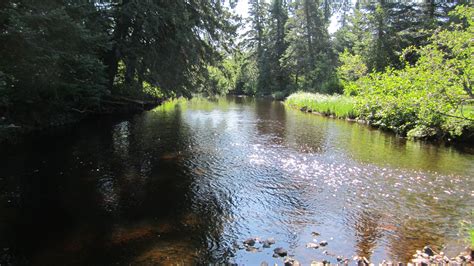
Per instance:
(428,99)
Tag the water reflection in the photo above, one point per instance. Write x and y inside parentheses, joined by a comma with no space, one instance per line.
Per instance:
(183,183)
(367,232)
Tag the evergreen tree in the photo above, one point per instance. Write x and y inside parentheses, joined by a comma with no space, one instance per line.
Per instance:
(49,56)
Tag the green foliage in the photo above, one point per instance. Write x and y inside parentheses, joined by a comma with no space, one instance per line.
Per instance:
(424,100)
(352,67)
(309,58)
(336,105)
(247,78)
(58,56)
(279,95)
(169,44)
(50,52)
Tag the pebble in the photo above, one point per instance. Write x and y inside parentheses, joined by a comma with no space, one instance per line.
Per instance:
(291,262)
(323,243)
(268,242)
(250,242)
(428,251)
(280,252)
(312,245)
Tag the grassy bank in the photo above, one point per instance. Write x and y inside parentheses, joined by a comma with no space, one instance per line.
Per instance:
(329,105)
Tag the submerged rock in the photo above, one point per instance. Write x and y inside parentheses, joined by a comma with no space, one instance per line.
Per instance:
(291,262)
(250,242)
(280,252)
(323,243)
(312,245)
(267,242)
(428,251)
(252,249)
(315,234)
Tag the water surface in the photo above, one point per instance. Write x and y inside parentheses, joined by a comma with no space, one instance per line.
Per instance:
(188,183)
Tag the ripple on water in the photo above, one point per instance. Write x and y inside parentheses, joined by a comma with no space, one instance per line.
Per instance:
(185,185)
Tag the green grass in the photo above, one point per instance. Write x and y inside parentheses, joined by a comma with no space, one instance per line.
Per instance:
(336,105)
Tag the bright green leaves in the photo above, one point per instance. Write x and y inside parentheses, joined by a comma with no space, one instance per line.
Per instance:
(352,67)
(426,99)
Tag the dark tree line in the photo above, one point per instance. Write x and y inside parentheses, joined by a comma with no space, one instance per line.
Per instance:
(60,55)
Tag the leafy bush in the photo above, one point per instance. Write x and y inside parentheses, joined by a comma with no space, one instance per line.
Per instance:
(427,99)
(352,67)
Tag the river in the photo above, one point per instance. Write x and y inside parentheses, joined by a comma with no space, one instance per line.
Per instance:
(188,183)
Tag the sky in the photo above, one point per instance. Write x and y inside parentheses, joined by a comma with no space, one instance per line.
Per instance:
(242,9)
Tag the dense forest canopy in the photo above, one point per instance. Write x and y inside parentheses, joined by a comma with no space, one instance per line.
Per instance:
(60,56)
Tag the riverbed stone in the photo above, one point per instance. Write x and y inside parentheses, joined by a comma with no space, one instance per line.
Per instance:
(250,242)
(427,250)
(291,262)
(280,252)
(267,242)
(312,245)
(323,243)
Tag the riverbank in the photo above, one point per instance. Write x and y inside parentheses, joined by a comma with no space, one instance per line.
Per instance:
(13,128)
(351,108)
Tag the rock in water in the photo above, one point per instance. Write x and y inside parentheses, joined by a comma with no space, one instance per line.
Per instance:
(280,252)
(312,245)
(271,241)
(323,243)
(250,242)
(427,250)
(268,242)
(291,262)
(315,234)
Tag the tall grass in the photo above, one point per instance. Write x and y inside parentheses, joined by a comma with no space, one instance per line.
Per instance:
(336,105)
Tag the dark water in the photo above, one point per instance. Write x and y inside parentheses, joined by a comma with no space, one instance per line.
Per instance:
(185,183)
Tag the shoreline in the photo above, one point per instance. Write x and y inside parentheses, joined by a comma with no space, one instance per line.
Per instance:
(432,140)
(119,105)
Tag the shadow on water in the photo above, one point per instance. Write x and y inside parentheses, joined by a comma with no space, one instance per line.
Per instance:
(187,183)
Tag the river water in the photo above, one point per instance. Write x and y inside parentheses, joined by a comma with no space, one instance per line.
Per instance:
(187,183)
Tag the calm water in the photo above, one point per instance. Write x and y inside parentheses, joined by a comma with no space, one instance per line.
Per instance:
(188,183)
